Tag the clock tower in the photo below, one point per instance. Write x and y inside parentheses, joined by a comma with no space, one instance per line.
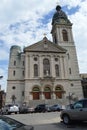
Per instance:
(62,36)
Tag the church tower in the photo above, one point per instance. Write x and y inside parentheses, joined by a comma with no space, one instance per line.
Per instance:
(62,35)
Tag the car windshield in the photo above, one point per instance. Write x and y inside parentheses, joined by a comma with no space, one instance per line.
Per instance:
(10,123)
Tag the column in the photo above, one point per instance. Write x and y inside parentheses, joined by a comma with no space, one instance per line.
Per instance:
(66,67)
(41,66)
(62,67)
(42,96)
(53,96)
(31,67)
(26,66)
(52,67)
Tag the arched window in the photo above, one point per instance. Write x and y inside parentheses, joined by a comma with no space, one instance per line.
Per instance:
(47,89)
(46,67)
(36,89)
(65,35)
(55,39)
(58,88)
(14,63)
(57,70)
(35,70)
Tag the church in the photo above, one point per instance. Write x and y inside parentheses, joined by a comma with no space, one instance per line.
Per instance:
(46,71)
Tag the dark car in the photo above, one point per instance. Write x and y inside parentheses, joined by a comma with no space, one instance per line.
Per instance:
(56,107)
(42,108)
(7,123)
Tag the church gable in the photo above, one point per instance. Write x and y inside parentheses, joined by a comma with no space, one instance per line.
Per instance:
(45,46)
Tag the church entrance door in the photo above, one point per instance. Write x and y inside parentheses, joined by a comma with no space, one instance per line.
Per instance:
(35,95)
(47,93)
(58,94)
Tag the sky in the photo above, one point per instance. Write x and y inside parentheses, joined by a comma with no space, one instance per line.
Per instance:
(23,22)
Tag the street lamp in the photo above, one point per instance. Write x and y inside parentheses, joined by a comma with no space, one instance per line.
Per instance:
(70,97)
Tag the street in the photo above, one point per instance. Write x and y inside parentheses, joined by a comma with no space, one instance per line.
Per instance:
(61,126)
(47,121)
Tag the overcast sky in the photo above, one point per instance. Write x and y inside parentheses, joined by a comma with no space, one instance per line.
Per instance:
(23,22)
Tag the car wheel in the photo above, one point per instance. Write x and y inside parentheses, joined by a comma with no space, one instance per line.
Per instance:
(66,119)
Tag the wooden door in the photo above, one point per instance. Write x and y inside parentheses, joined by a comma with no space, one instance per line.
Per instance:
(35,95)
(47,95)
(58,94)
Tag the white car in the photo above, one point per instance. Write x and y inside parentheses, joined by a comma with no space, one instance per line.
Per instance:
(13,109)
(10,108)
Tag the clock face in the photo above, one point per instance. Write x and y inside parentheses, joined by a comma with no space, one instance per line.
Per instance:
(62,21)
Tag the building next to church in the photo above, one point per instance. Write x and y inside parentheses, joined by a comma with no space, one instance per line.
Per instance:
(84,83)
(46,71)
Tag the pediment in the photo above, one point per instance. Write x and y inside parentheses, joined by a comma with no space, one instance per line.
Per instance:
(45,46)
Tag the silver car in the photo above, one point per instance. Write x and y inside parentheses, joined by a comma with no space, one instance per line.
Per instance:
(76,112)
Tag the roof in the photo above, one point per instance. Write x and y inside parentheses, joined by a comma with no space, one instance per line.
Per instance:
(45,46)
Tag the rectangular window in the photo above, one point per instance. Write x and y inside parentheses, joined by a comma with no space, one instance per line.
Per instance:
(23,73)
(22,93)
(69,70)
(68,56)
(23,63)
(14,73)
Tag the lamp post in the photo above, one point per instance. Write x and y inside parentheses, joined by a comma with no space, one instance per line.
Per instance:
(70,96)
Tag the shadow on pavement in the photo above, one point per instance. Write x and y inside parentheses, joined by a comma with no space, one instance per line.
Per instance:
(62,126)
(81,125)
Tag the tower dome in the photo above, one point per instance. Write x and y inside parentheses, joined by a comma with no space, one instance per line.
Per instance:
(15,50)
(59,16)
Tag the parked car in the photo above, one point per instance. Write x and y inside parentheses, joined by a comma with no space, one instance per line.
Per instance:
(10,108)
(30,109)
(56,107)
(76,112)
(23,109)
(7,123)
(42,108)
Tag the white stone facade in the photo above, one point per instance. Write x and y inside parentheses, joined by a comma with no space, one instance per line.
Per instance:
(44,70)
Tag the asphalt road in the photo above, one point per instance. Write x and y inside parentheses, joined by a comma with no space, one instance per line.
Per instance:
(47,121)
(61,126)
(37,118)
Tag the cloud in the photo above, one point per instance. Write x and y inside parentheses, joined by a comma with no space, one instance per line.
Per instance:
(24,23)
(80,35)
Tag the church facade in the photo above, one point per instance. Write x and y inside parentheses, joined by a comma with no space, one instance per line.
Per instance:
(46,71)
